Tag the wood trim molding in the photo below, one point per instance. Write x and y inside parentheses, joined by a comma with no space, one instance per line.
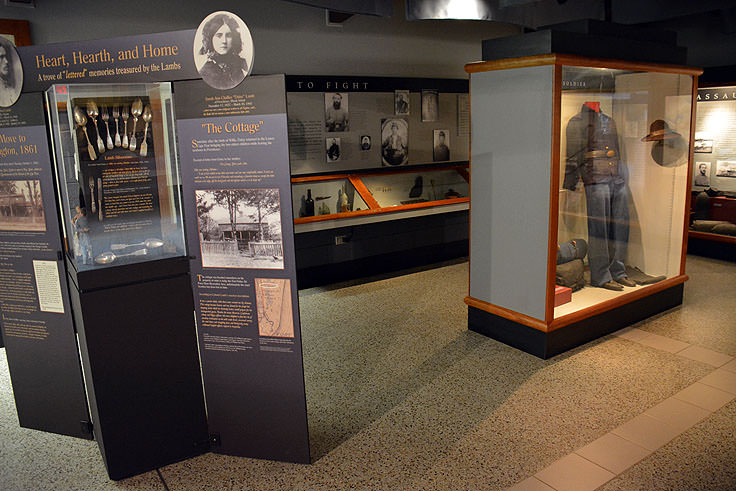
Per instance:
(505,64)
(554,196)
(334,216)
(507,314)
(331,177)
(689,184)
(617,302)
(20,29)
(363,192)
(573,60)
(728,239)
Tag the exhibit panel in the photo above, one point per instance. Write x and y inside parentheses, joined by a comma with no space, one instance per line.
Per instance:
(119,180)
(373,157)
(119,191)
(37,324)
(624,148)
(339,124)
(598,240)
(713,200)
(511,147)
(240,229)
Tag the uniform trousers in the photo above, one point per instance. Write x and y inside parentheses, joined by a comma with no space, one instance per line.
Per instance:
(608,230)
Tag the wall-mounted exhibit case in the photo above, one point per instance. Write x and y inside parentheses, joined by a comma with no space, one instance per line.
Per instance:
(119,191)
(379,173)
(713,201)
(580,177)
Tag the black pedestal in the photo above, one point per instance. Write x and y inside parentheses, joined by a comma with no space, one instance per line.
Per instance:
(548,344)
(139,351)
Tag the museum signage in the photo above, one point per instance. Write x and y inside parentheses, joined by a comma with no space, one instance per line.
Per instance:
(34,300)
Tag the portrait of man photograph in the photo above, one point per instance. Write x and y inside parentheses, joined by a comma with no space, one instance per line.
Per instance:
(337,117)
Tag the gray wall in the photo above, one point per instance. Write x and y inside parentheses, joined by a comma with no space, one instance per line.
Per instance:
(289,38)
(511,122)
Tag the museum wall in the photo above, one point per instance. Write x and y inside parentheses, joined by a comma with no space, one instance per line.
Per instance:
(289,38)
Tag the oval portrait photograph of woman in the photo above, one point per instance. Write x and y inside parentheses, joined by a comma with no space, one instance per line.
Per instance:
(223,50)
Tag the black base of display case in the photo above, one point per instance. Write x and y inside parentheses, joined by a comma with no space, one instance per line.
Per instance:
(725,251)
(378,248)
(548,344)
(141,365)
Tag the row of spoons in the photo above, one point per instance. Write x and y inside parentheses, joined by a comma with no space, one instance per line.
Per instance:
(136,110)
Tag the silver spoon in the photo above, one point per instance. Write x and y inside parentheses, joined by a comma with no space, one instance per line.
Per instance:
(93,112)
(126,115)
(115,116)
(106,118)
(109,257)
(148,243)
(136,109)
(81,119)
(147,115)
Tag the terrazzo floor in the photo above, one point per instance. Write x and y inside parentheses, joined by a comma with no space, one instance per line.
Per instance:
(401,395)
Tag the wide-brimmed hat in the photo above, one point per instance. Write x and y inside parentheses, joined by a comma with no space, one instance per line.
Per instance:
(659,130)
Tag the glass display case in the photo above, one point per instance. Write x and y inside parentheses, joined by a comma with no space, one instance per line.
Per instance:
(581,172)
(713,199)
(340,196)
(624,148)
(326,197)
(117,172)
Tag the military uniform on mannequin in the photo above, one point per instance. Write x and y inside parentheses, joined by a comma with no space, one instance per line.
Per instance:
(593,155)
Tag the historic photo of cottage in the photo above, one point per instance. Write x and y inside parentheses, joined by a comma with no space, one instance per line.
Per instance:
(21,206)
(240,228)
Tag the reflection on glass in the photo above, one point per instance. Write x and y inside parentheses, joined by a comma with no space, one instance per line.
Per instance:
(623,168)
(417,187)
(119,199)
(327,197)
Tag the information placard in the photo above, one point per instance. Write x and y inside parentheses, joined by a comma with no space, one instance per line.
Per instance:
(39,335)
(237,200)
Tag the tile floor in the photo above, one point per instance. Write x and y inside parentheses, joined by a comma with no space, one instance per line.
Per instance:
(407,398)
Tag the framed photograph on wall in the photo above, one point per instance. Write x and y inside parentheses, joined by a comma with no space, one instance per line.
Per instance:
(703,146)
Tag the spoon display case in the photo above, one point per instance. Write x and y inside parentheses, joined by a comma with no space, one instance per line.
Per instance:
(116,194)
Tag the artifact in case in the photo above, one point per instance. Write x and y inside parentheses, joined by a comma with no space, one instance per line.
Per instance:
(117,172)
(330,197)
(580,178)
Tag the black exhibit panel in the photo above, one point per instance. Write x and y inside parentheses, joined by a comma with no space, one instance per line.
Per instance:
(129,273)
(37,328)
(139,348)
(240,229)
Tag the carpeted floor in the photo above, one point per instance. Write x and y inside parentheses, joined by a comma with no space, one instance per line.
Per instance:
(402,396)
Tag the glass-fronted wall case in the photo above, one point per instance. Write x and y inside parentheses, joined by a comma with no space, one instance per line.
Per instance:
(117,172)
(713,201)
(624,152)
(325,197)
(342,196)
(416,187)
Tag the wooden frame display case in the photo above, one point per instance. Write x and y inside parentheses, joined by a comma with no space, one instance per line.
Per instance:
(344,196)
(581,171)
(394,220)
(713,198)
